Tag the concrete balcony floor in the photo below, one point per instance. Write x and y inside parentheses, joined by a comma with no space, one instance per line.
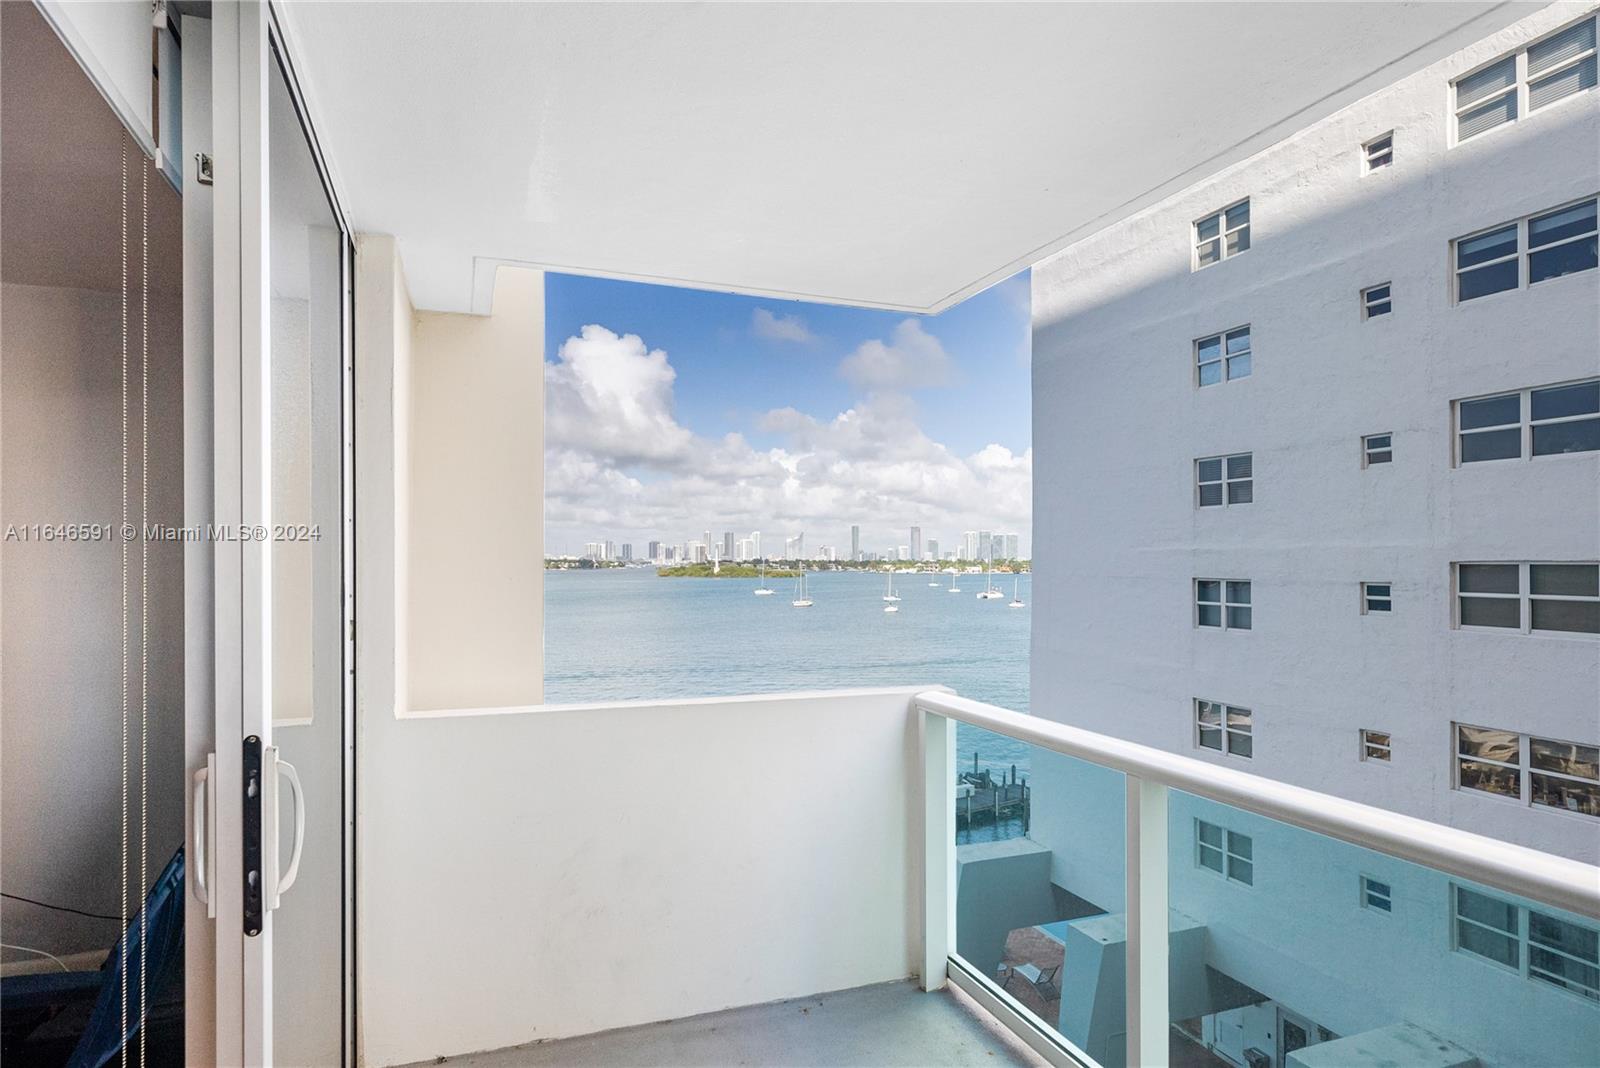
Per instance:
(871,1027)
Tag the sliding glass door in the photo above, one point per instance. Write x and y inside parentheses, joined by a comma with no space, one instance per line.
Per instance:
(285,661)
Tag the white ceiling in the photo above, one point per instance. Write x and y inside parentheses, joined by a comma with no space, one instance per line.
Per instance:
(899,155)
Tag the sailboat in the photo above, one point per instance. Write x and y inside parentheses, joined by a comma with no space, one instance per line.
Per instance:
(953,587)
(988,593)
(763,590)
(889,594)
(801,599)
(1016,598)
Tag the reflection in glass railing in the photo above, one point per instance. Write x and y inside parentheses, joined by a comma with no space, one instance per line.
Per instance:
(1290,949)
(1039,912)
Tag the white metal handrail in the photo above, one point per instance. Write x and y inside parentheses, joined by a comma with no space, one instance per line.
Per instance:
(1567,884)
(1151,774)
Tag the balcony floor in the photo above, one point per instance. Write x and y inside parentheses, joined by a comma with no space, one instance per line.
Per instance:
(877,1026)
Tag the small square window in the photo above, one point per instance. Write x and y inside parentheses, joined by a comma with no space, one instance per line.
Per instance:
(1376,745)
(1377,449)
(1224,356)
(1224,480)
(1221,235)
(1225,852)
(1224,728)
(1376,597)
(1376,894)
(1376,301)
(1224,604)
(1379,152)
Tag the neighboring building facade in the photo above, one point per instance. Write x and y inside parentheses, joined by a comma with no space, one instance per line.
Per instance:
(1277,437)
(1319,440)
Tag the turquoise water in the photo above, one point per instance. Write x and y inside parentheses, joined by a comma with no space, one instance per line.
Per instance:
(626,634)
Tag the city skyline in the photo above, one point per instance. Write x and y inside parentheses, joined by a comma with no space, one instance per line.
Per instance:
(734,547)
(676,415)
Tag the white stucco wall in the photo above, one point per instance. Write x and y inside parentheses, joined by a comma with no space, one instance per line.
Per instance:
(532,873)
(475,559)
(543,873)
(1120,422)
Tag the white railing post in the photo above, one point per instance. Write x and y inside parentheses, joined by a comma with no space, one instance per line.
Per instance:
(938,847)
(1147,920)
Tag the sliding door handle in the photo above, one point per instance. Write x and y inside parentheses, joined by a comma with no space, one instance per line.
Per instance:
(201,851)
(278,772)
(292,777)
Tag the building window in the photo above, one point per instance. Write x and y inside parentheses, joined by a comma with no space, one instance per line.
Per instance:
(1225,728)
(1549,421)
(1223,356)
(1376,745)
(1564,419)
(1377,449)
(1558,242)
(1488,760)
(1222,603)
(1542,598)
(1224,480)
(1224,852)
(1554,68)
(1376,597)
(1375,301)
(1376,894)
(1538,771)
(1535,944)
(1379,152)
(1564,775)
(1222,234)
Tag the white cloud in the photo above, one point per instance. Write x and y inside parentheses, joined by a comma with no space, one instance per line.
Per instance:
(772,327)
(620,466)
(609,396)
(913,359)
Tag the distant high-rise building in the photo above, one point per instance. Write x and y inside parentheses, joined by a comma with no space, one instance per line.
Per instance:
(654,550)
(916,543)
(985,545)
(755,544)
(933,548)
(594,550)
(627,552)
(855,542)
(903,552)
(1013,550)
(727,545)
(969,545)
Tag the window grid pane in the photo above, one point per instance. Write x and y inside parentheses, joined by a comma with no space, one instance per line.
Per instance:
(1222,234)
(1376,301)
(1376,745)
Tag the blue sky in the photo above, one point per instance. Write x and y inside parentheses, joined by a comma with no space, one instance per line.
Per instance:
(731,412)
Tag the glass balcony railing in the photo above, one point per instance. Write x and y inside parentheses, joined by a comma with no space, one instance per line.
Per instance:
(1301,930)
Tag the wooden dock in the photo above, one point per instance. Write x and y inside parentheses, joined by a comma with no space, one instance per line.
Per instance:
(995,802)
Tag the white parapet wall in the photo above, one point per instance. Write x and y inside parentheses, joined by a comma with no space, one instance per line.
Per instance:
(539,873)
